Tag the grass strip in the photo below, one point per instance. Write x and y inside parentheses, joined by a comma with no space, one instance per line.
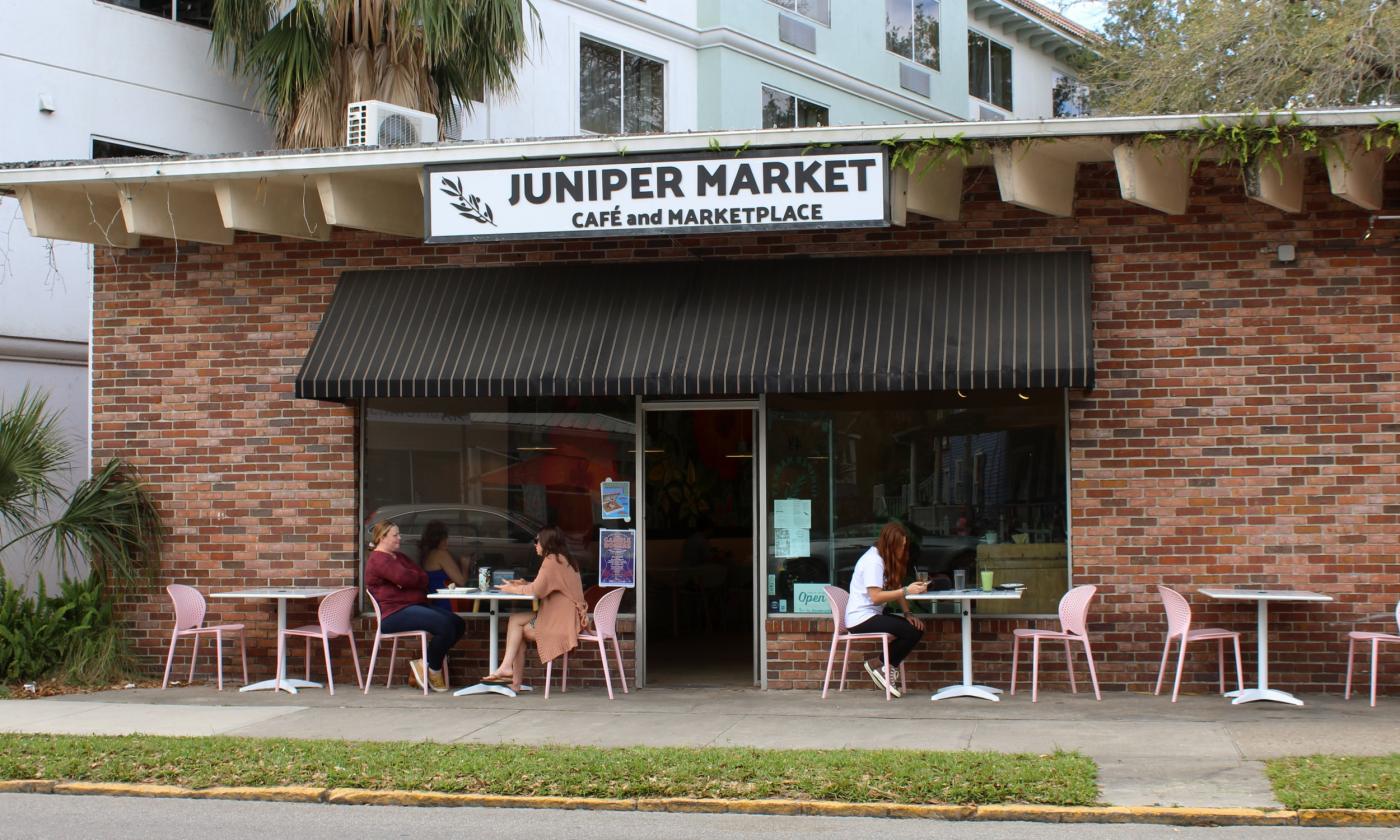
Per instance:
(1335,781)
(894,776)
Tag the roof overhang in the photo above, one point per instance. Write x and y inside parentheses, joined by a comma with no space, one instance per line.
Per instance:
(1059,39)
(304,193)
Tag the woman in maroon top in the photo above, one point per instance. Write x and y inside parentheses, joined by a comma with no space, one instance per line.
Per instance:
(401,588)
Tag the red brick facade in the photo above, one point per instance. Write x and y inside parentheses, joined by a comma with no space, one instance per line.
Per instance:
(1242,431)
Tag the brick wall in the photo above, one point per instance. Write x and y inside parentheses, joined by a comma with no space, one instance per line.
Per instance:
(1242,431)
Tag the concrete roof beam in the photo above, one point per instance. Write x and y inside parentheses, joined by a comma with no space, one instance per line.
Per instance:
(88,214)
(1276,181)
(171,211)
(1155,175)
(1031,175)
(384,203)
(1356,174)
(275,207)
(933,190)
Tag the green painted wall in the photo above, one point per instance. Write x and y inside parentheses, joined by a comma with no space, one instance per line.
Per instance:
(854,44)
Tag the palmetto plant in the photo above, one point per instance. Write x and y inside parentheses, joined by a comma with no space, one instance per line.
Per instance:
(308,59)
(109,520)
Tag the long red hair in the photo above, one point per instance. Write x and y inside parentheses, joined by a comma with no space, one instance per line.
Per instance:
(893,547)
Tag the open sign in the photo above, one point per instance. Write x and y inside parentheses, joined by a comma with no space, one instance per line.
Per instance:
(809,598)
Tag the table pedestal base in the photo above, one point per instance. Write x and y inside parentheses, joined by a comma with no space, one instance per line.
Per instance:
(985,692)
(1251,695)
(288,685)
(490,688)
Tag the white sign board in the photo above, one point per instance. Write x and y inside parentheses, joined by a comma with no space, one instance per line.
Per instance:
(696,193)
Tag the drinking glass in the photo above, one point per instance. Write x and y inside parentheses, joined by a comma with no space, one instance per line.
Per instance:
(986,581)
(921,575)
(959,579)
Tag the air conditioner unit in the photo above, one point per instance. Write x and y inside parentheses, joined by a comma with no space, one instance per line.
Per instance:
(375,123)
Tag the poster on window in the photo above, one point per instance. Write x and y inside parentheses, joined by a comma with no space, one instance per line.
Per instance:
(617,558)
(616,499)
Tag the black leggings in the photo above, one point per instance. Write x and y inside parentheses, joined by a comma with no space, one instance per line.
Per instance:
(905,634)
(444,628)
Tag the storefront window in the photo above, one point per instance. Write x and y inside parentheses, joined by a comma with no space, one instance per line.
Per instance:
(979,481)
(496,470)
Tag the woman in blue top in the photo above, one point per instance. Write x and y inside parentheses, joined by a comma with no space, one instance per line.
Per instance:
(438,562)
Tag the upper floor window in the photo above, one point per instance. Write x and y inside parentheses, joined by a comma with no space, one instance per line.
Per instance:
(194,12)
(815,10)
(988,70)
(911,30)
(1069,98)
(103,147)
(783,110)
(619,91)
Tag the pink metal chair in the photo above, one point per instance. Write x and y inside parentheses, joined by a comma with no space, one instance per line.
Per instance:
(1074,626)
(1179,628)
(604,628)
(1376,640)
(379,636)
(189,621)
(335,614)
(836,598)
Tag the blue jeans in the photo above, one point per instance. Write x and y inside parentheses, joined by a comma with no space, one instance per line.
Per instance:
(444,629)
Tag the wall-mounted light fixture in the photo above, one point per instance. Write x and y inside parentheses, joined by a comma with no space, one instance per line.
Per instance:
(1371,224)
(46,105)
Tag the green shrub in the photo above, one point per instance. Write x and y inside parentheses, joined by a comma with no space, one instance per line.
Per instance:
(74,635)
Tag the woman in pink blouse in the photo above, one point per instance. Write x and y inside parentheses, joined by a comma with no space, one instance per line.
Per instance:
(563,611)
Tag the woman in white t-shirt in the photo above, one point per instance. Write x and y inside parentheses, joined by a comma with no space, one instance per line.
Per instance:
(877,581)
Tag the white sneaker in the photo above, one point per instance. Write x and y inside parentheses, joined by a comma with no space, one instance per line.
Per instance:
(876,670)
(419,669)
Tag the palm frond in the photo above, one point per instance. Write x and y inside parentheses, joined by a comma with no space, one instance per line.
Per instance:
(112,522)
(32,450)
(320,55)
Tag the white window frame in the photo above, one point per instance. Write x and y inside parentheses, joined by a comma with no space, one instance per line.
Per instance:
(796,98)
(1011,73)
(794,11)
(174,12)
(145,147)
(937,48)
(621,80)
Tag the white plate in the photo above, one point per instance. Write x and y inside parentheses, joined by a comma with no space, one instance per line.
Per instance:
(1012,585)
(460,589)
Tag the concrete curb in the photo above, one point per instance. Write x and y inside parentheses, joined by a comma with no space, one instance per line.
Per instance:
(769,807)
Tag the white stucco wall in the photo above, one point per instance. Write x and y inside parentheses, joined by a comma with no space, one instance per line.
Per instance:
(112,73)
(1032,75)
(546,100)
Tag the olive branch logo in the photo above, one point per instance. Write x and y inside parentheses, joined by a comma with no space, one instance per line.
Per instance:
(469,206)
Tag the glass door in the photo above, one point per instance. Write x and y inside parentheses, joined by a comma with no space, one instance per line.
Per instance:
(698,529)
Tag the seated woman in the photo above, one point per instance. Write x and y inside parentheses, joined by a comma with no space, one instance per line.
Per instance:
(401,588)
(437,560)
(878,580)
(563,611)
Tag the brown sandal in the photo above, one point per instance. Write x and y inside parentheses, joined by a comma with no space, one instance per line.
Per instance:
(492,679)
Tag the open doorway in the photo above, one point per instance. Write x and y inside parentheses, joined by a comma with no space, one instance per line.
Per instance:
(700,537)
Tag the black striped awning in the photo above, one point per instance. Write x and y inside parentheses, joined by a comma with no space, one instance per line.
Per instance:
(865,324)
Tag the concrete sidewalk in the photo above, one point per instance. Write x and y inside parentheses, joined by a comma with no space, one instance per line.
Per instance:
(1199,752)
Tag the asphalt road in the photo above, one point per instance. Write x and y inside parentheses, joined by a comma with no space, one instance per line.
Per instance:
(46,815)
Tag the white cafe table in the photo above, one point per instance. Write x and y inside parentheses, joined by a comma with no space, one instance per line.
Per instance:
(1263,597)
(965,597)
(282,594)
(494,597)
